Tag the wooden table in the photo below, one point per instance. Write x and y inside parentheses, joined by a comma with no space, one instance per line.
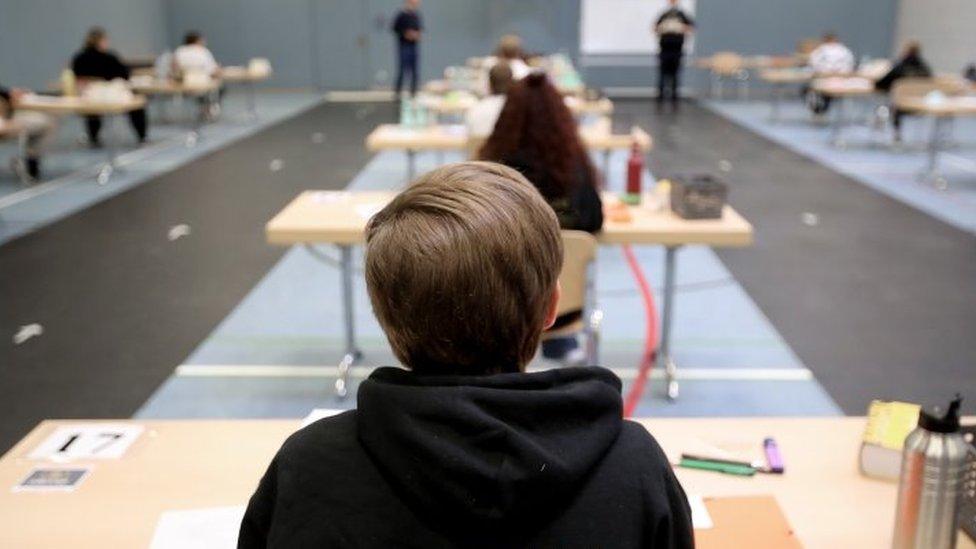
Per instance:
(250,79)
(12,129)
(942,113)
(339,218)
(781,79)
(85,107)
(462,102)
(843,89)
(596,137)
(194,464)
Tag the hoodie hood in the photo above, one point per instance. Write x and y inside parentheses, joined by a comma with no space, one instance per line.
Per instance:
(486,451)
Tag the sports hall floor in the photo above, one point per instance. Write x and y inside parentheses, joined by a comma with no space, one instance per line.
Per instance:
(860,284)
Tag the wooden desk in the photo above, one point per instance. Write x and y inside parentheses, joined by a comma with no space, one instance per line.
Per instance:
(85,107)
(942,113)
(780,80)
(596,137)
(843,89)
(159,86)
(12,129)
(250,79)
(339,218)
(193,464)
(462,102)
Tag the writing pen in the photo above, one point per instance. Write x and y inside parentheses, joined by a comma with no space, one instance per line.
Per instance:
(727,468)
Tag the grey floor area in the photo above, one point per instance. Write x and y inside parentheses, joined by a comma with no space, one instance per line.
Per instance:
(876,298)
(121,304)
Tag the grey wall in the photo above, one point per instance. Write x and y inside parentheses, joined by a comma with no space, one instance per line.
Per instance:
(38,37)
(773,27)
(945,28)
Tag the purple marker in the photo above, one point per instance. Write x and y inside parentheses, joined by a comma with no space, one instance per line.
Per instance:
(774,461)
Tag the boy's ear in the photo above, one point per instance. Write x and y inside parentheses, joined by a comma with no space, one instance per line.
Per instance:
(552,313)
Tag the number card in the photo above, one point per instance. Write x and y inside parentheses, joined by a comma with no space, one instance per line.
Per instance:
(87,441)
(50,479)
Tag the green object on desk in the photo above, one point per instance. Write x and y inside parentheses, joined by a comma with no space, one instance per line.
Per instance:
(727,468)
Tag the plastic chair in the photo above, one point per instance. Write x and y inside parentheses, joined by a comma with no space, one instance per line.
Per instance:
(578,292)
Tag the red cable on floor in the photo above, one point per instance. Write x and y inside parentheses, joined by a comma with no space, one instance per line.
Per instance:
(649,357)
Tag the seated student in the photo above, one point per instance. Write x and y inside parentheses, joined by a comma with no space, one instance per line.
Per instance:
(831,57)
(96,61)
(481,118)
(537,135)
(38,126)
(510,51)
(194,57)
(463,448)
(911,64)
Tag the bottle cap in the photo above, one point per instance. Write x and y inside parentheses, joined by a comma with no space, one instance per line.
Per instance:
(948,423)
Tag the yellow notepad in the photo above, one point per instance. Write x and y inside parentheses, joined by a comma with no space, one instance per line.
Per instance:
(889,422)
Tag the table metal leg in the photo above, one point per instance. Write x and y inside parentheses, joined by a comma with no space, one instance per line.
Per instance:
(936,140)
(252,108)
(606,166)
(777,97)
(667,314)
(838,122)
(108,168)
(352,354)
(19,162)
(411,164)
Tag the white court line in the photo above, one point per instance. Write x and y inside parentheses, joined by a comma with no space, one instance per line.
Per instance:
(960,162)
(691,374)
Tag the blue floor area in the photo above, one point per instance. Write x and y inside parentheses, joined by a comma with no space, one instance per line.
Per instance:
(869,158)
(69,184)
(275,354)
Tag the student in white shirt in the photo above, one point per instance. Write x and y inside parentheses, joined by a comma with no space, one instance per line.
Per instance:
(481,118)
(831,57)
(194,57)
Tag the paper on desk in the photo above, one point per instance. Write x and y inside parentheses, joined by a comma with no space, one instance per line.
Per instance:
(700,519)
(206,528)
(366,211)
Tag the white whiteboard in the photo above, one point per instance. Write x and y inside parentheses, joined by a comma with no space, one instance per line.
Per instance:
(615,27)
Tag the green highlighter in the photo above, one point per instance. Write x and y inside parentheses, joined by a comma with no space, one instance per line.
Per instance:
(727,468)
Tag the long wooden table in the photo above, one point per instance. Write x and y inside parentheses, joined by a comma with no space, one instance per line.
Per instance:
(842,89)
(339,218)
(942,113)
(82,106)
(596,137)
(250,79)
(189,464)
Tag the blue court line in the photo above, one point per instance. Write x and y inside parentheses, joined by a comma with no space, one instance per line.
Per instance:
(869,160)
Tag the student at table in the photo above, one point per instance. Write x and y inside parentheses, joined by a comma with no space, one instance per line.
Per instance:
(910,64)
(537,135)
(96,62)
(672,26)
(408,27)
(463,448)
(481,118)
(831,57)
(38,126)
(193,56)
(510,51)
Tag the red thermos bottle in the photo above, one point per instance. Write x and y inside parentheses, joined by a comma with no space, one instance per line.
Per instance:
(635,169)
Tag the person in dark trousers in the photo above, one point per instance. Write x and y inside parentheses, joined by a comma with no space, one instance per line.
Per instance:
(407,28)
(537,135)
(909,65)
(96,61)
(671,28)
(463,448)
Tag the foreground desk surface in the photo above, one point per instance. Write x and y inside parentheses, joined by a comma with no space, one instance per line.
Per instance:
(455,138)
(192,464)
(340,218)
(78,105)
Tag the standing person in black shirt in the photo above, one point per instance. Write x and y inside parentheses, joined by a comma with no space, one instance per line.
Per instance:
(96,61)
(671,28)
(407,28)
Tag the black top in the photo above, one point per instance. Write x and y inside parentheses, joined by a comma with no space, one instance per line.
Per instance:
(6,105)
(93,63)
(508,460)
(910,65)
(404,21)
(579,209)
(673,42)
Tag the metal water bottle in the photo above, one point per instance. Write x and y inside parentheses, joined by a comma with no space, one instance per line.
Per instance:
(931,478)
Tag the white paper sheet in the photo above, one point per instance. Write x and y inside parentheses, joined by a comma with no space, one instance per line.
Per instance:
(206,528)
(319,413)
(87,441)
(700,518)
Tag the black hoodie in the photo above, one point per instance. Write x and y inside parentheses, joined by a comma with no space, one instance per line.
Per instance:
(508,460)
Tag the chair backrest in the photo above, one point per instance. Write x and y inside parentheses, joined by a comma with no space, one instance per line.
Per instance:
(579,251)
(917,87)
(727,63)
